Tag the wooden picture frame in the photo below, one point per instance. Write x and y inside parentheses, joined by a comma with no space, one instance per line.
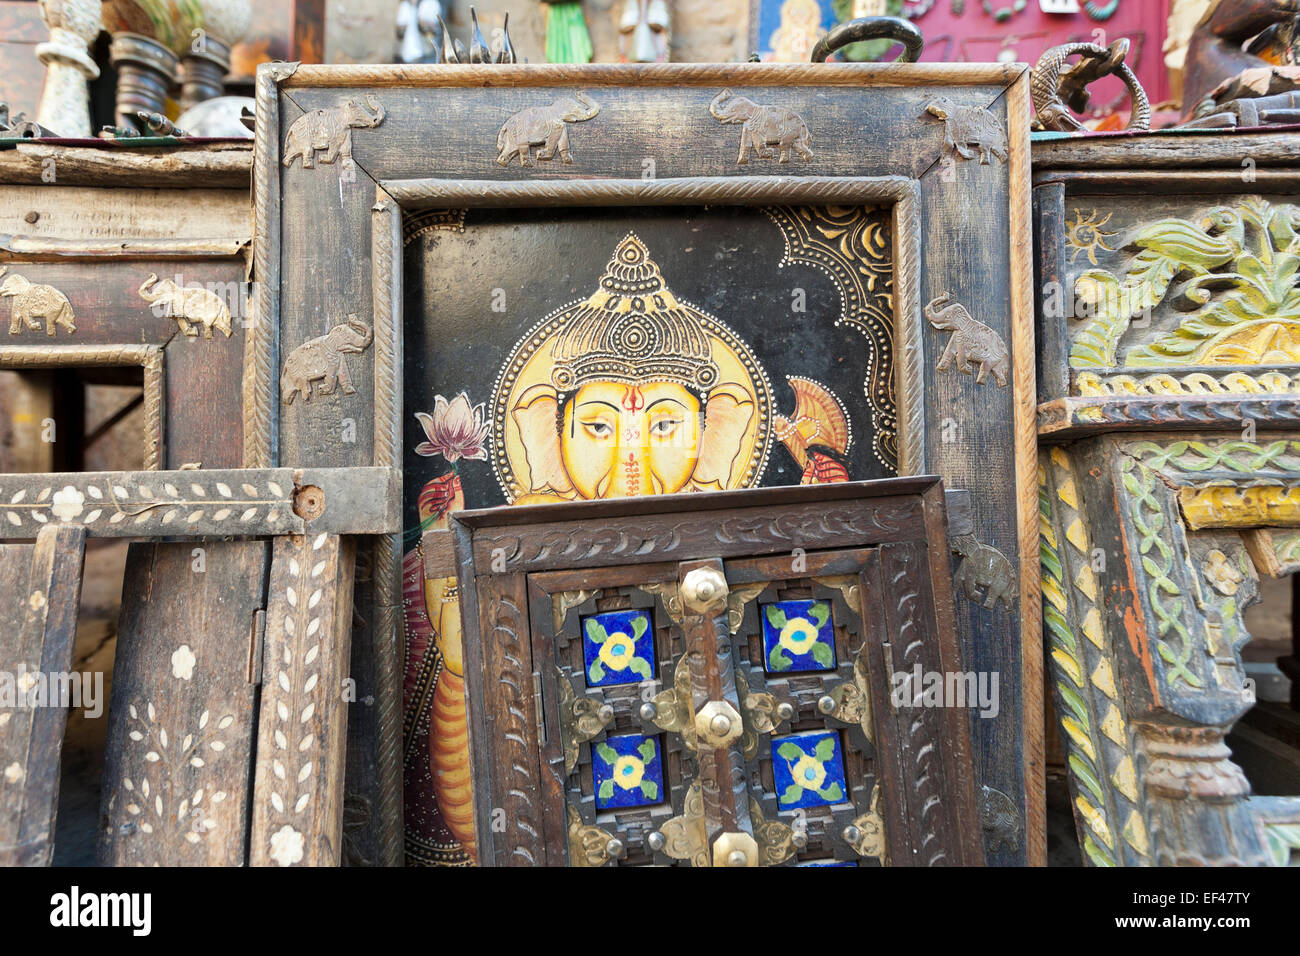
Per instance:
(954,173)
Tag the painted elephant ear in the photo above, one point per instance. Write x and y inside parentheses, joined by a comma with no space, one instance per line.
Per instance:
(535,418)
(726,419)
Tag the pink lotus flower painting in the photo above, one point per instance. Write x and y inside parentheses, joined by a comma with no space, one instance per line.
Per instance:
(455,430)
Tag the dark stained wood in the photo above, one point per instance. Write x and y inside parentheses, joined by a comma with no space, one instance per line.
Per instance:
(512,650)
(43,582)
(182,719)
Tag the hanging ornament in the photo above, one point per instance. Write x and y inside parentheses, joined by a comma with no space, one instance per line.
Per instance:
(1003,14)
(567,39)
(1101,11)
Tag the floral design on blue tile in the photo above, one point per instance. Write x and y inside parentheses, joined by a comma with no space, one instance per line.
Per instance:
(618,648)
(627,771)
(808,769)
(798,636)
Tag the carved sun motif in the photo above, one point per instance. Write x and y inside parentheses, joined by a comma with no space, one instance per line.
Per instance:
(1087,235)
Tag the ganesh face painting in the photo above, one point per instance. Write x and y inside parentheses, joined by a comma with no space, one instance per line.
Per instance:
(629,392)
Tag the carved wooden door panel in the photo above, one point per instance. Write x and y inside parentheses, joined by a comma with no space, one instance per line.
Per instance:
(734,711)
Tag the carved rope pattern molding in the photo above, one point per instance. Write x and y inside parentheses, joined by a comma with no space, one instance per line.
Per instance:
(1098,742)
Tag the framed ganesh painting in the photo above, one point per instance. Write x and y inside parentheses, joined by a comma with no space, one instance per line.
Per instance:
(609,282)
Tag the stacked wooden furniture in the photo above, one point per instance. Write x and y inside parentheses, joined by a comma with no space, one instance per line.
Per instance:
(121,258)
(1169,474)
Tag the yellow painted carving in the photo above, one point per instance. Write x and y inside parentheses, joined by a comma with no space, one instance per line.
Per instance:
(1231,507)
(1092,385)
(1079,735)
(1135,832)
(1092,628)
(1086,581)
(1096,822)
(1052,591)
(1125,780)
(1069,666)
(1065,491)
(1061,459)
(1113,725)
(1076,535)
(1104,678)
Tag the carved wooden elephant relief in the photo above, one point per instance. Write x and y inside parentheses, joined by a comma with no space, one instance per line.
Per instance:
(329,132)
(764,127)
(544,128)
(321,361)
(36,304)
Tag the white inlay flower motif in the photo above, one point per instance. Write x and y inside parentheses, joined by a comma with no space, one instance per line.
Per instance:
(286,846)
(183,662)
(68,503)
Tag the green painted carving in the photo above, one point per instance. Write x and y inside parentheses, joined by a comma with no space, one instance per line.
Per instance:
(1243,263)
(1069,673)
(1173,642)
(1283,840)
(1169,247)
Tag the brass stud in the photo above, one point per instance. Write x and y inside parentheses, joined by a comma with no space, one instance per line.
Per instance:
(649,711)
(784,710)
(826,704)
(614,848)
(656,841)
(851,834)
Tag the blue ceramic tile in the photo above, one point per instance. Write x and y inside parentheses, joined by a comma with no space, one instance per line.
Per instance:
(618,648)
(808,769)
(627,771)
(827,863)
(798,636)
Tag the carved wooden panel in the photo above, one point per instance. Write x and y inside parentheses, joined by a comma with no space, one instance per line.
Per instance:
(662,706)
(182,721)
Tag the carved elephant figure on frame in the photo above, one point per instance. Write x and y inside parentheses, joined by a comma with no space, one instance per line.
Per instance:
(189,306)
(545,128)
(764,127)
(972,342)
(970,129)
(34,304)
(321,361)
(329,132)
(984,567)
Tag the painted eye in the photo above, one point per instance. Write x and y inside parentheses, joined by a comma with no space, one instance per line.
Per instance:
(665,426)
(598,429)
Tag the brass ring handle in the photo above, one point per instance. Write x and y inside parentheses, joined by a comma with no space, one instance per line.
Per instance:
(872,28)
(1056,85)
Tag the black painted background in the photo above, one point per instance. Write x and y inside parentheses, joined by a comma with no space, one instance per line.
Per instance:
(724,260)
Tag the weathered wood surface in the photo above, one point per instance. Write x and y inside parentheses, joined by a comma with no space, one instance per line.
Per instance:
(200,503)
(177,768)
(1163,150)
(212,166)
(36,642)
(92,214)
(302,723)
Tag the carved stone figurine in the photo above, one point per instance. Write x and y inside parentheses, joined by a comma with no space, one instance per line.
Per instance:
(190,307)
(34,304)
(546,127)
(764,127)
(972,342)
(321,361)
(970,129)
(329,132)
